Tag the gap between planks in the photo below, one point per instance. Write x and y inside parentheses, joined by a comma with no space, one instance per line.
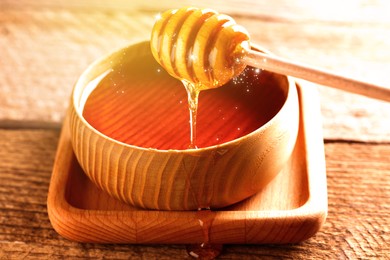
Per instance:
(47,125)
(29,125)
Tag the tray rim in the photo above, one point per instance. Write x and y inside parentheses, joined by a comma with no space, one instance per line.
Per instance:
(312,213)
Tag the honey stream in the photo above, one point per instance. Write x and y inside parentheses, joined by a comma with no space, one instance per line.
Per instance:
(193,100)
(204,215)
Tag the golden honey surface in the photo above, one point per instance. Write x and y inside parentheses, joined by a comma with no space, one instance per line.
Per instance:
(140,104)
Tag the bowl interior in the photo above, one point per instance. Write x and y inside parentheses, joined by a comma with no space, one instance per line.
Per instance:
(128,97)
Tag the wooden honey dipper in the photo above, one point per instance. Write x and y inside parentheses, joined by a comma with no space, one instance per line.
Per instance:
(208,49)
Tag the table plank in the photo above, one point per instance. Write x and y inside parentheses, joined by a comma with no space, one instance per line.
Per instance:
(45,45)
(357,226)
(300,10)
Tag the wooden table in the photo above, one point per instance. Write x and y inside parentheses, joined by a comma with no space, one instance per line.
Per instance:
(45,45)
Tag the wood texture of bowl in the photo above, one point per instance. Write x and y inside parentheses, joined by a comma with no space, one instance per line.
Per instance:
(214,176)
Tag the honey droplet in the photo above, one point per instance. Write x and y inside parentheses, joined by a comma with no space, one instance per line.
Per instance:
(206,249)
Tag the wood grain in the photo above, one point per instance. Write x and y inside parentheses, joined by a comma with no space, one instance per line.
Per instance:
(357,226)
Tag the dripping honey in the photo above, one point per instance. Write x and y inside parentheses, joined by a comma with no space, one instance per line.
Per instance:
(138,103)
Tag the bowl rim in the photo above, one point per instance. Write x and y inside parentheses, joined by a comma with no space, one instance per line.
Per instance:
(79,91)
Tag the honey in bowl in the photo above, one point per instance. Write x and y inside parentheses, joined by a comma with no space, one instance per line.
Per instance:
(130,133)
(138,103)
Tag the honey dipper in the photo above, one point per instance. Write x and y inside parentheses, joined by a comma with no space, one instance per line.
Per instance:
(208,49)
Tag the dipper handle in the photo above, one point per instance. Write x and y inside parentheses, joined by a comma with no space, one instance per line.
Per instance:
(316,75)
(207,49)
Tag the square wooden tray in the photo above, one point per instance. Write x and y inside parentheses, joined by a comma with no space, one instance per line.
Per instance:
(290,209)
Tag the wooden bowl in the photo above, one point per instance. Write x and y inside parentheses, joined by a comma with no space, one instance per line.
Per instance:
(178,179)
